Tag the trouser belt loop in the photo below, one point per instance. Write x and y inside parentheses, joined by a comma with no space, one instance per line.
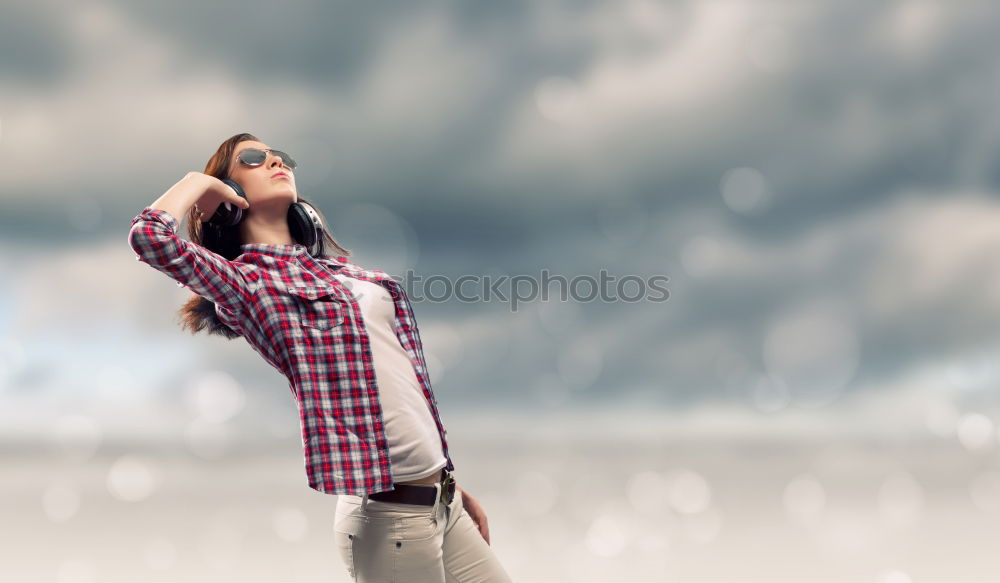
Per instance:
(364,502)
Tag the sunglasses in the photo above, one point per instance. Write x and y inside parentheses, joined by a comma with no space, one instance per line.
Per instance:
(255,157)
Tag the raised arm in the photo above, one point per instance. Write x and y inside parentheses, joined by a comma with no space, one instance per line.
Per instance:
(154,239)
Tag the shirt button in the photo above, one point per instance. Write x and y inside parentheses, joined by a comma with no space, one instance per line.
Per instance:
(137,258)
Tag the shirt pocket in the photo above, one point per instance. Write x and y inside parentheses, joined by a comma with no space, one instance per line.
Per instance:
(318,307)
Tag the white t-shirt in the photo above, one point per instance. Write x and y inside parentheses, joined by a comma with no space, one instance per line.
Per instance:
(414,444)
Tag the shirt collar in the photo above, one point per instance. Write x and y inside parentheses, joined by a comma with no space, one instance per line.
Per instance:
(274,250)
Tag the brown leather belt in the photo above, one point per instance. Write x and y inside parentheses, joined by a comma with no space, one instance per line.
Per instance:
(424,495)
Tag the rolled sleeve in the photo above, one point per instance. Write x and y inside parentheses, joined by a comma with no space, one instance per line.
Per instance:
(153,237)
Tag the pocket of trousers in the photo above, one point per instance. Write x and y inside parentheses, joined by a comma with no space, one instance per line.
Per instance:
(361,537)
(410,522)
(416,528)
(346,530)
(345,548)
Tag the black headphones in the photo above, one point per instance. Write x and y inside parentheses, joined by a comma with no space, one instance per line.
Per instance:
(304,222)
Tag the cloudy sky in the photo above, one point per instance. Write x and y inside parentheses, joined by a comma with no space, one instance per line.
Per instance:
(817,182)
(816,179)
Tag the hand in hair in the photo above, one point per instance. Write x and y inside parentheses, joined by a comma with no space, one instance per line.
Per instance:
(203,191)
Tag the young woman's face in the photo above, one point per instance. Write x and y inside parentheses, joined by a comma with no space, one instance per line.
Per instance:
(268,182)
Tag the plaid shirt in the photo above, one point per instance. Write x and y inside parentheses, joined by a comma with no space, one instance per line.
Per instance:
(306,324)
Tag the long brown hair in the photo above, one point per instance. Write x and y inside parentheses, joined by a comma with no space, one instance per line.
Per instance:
(198,313)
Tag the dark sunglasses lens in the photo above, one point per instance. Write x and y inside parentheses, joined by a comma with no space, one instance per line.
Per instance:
(253,156)
(285,158)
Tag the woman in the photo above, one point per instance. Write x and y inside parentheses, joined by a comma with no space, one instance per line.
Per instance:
(347,341)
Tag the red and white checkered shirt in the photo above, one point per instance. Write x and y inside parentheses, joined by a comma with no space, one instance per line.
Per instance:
(305,323)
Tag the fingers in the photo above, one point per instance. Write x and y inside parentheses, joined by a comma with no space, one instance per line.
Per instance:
(235,199)
(481,524)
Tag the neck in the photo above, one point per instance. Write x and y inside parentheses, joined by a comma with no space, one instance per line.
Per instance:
(271,228)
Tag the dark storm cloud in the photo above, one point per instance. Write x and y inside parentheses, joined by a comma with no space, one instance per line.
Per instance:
(32,42)
(314,44)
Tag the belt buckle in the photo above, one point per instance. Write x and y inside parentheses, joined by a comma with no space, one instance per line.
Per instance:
(447,494)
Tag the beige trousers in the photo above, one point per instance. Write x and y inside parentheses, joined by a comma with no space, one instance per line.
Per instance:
(392,542)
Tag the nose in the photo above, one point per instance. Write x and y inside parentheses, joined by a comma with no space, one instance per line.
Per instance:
(276,161)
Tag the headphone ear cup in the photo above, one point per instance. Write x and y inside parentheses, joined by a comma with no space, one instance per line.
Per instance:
(228,214)
(306,227)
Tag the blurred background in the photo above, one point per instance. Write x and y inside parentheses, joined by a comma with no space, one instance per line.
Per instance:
(816,401)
